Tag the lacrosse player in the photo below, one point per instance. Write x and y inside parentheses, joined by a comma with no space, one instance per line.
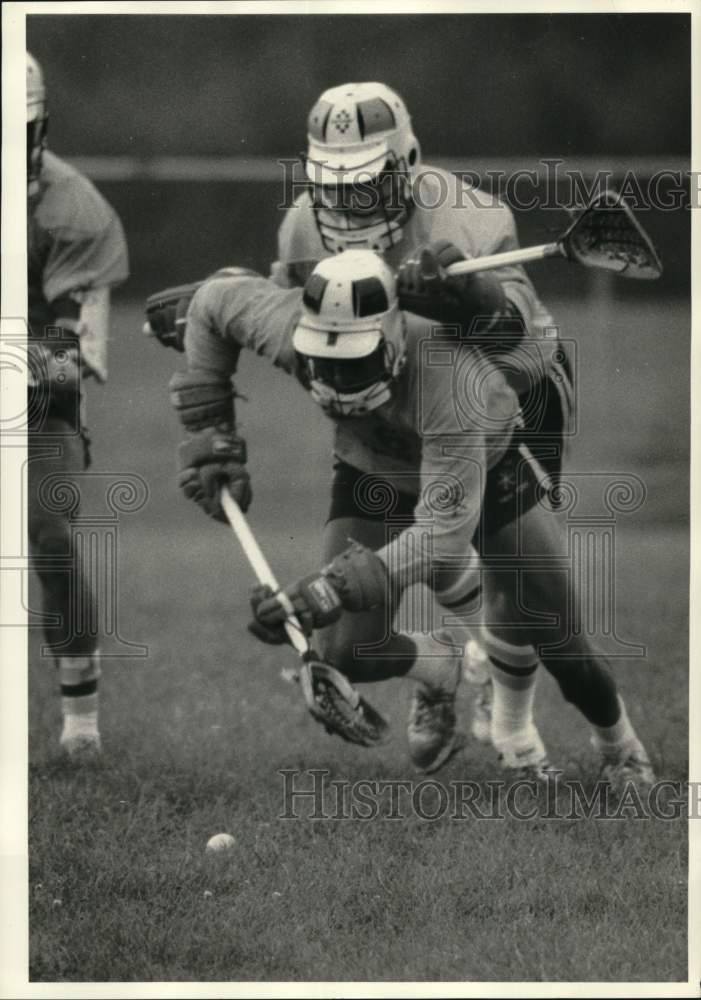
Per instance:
(457,476)
(368,188)
(76,253)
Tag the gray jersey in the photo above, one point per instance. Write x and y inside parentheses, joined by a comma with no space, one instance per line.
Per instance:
(445,208)
(449,419)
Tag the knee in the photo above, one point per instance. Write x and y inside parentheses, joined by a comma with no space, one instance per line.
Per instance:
(336,647)
(569,680)
(341,645)
(575,677)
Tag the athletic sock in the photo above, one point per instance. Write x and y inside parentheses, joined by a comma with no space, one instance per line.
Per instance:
(475,663)
(78,676)
(513,670)
(462,600)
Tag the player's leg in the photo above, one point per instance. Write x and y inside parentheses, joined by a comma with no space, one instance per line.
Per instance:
(366,647)
(463,603)
(56,451)
(583,676)
(507,703)
(513,669)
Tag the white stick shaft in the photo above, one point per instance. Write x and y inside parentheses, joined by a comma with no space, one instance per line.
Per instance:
(250,546)
(261,567)
(503,259)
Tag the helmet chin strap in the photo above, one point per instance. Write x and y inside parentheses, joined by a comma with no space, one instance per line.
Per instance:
(379,236)
(351,404)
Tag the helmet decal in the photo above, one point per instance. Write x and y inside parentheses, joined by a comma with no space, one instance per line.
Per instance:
(341,121)
(375,116)
(314,292)
(318,120)
(369,297)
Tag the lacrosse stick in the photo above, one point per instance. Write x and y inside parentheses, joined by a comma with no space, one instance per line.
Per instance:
(606,235)
(329,696)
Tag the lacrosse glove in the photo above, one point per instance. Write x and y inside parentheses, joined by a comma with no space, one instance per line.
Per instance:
(356,580)
(475,301)
(213,456)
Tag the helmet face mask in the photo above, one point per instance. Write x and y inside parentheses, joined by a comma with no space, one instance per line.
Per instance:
(351,387)
(36,142)
(370,213)
(361,162)
(37,121)
(349,375)
(350,339)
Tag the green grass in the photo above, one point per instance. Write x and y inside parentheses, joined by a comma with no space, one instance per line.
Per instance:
(194,736)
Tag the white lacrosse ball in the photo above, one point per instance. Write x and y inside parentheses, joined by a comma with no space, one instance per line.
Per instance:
(220,842)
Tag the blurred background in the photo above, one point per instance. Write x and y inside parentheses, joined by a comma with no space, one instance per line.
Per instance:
(487,92)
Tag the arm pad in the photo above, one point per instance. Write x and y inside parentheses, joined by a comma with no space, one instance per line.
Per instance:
(203,399)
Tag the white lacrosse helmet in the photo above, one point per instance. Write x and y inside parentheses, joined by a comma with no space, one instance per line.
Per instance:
(350,338)
(361,160)
(37,119)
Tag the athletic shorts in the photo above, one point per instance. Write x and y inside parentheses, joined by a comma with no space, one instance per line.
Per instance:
(527,474)
(66,409)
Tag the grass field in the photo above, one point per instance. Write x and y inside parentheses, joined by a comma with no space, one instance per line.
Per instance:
(195,733)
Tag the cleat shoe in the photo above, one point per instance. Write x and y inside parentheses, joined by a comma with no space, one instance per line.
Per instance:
(431,727)
(524,757)
(80,738)
(625,765)
(81,749)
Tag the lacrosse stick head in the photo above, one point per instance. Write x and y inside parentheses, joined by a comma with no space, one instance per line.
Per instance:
(338,706)
(607,235)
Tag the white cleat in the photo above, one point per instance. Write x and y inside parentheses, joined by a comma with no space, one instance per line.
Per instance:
(524,757)
(626,765)
(80,738)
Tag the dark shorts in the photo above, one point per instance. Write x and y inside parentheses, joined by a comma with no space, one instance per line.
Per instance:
(58,414)
(526,474)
